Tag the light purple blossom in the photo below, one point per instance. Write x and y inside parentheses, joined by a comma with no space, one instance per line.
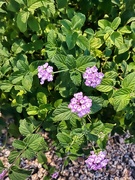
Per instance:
(80,104)
(3,174)
(55,175)
(92,76)
(45,73)
(96,161)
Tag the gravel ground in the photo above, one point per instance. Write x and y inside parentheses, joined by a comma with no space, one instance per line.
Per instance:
(121,165)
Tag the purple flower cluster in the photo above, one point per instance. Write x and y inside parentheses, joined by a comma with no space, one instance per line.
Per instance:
(80,104)
(96,161)
(45,73)
(55,175)
(3,174)
(92,76)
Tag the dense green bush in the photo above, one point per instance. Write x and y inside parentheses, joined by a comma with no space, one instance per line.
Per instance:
(70,36)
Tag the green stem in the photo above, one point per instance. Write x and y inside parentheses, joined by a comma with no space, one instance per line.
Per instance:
(120,77)
(60,71)
(94,148)
(89,118)
(79,70)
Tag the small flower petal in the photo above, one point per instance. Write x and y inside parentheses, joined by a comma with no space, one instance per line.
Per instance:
(96,161)
(80,104)
(45,73)
(55,175)
(92,77)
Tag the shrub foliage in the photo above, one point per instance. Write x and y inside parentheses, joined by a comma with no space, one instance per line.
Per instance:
(70,36)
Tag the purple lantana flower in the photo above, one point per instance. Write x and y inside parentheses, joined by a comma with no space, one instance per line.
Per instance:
(96,161)
(80,104)
(3,174)
(45,73)
(92,76)
(55,175)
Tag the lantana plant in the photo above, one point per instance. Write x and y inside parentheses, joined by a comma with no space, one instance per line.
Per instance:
(67,70)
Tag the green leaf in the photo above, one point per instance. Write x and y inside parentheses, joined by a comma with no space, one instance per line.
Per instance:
(35,142)
(17,173)
(66,88)
(125,29)
(66,28)
(71,40)
(18,144)
(97,128)
(131,66)
(131,19)
(62,113)
(44,108)
(33,23)
(64,139)
(129,81)
(82,42)
(70,62)
(6,86)
(59,61)
(13,6)
(76,77)
(34,65)
(13,130)
(30,2)
(120,99)
(133,27)
(85,61)
(1,166)
(111,75)
(28,153)
(32,110)
(51,41)
(116,22)
(108,128)
(91,137)
(95,43)
(123,49)
(117,39)
(41,98)
(106,85)
(22,66)
(74,122)
(16,77)
(62,125)
(41,158)
(96,104)
(77,140)
(101,129)
(27,81)
(17,46)
(20,2)
(25,127)
(4,52)
(34,6)
(64,62)
(1,3)
(13,155)
(103,23)
(78,21)
(57,102)
(51,6)
(90,32)
(22,18)
(61,3)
